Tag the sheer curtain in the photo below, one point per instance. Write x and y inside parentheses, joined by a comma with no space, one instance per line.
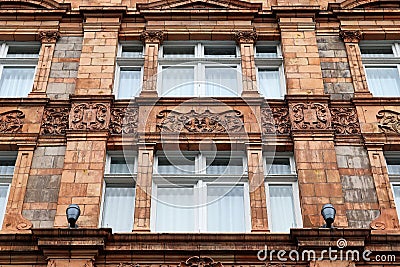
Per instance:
(225,209)
(129,83)
(175,210)
(177,81)
(224,166)
(279,166)
(282,208)
(221,81)
(383,81)
(119,165)
(3,200)
(119,204)
(174,165)
(396,191)
(269,83)
(7,167)
(16,81)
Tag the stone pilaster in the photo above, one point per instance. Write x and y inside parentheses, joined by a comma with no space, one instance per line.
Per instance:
(351,40)
(48,40)
(246,40)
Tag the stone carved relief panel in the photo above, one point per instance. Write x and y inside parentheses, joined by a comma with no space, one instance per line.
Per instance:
(169,121)
(308,116)
(55,121)
(345,120)
(89,116)
(275,120)
(123,120)
(389,121)
(11,121)
(200,262)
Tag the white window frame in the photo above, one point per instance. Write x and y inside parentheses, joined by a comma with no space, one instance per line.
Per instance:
(393,61)
(6,180)
(200,186)
(18,61)
(394,179)
(271,64)
(118,179)
(128,62)
(199,62)
(283,179)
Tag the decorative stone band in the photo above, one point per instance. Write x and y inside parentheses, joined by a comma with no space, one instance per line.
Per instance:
(170,121)
(55,121)
(11,121)
(200,262)
(389,121)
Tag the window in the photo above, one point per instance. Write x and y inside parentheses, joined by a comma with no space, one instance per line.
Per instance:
(393,168)
(381,62)
(119,192)
(199,69)
(17,68)
(283,202)
(7,165)
(128,79)
(269,64)
(200,193)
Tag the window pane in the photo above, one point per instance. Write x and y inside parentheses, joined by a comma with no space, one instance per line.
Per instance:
(132,51)
(225,209)
(177,81)
(377,52)
(396,192)
(269,82)
(279,166)
(31,51)
(175,211)
(224,166)
(178,51)
(16,81)
(220,51)
(119,203)
(221,81)
(266,52)
(176,165)
(129,82)
(7,166)
(393,165)
(282,208)
(383,81)
(3,201)
(122,165)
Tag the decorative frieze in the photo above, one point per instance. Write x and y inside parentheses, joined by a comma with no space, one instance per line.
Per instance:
(200,262)
(170,121)
(123,120)
(309,116)
(389,121)
(11,121)
(55,121)
(345,120)
(89,116)
(275,120)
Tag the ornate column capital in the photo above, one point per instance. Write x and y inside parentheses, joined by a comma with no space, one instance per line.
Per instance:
(247,37)
(152,36)
(49,36)
(351,36)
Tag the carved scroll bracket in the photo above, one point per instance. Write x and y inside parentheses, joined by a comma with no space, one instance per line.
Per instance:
(350,36)
(246,37)
(152,37)
(49,36)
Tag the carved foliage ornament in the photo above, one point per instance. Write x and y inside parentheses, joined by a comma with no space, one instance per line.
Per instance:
(230,121)
(55,121)
(246,37)
(306,116)
(389,121)
(49,36)
(345,121)
(11,121)
(89,116)
(351,36)
(275,120)
(200,262)
(152,36)
(124,120)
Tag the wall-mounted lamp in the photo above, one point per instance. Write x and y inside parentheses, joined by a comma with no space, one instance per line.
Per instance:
(73,211)
(328,212)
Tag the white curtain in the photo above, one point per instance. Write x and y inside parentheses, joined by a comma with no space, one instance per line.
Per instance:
(173,165)
(221,81)
(7,167)
(224,166)
(119,165)
(177,81)
(279,166)
(129,83)
(393,168)
(396,189)
(175,210)
(269,83)
(16,81)
(383,81)
(225,209)
(3,200)
(118,208)
(282,208)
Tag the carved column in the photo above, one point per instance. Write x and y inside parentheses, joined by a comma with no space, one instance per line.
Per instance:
(143,187)
(258,203)
(13,219)
(48,40)
(246,40)
(151,41)
(351,40)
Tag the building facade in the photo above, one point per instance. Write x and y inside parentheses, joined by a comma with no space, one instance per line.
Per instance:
(199,133)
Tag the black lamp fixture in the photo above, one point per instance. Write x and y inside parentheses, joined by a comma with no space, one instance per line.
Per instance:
(328,212)
(73,211)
